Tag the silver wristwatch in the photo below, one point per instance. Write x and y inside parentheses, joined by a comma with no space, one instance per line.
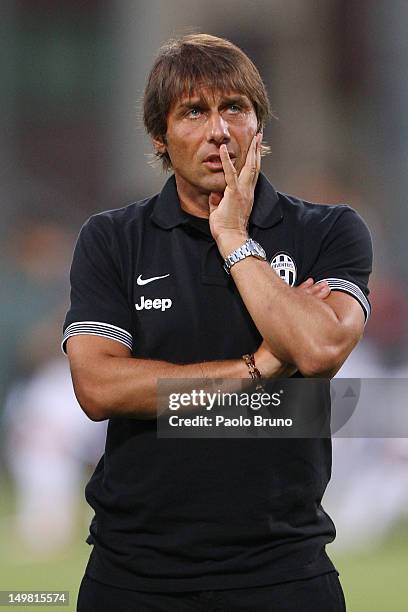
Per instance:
(250,248)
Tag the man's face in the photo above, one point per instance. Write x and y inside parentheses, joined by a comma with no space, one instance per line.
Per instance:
(197,127)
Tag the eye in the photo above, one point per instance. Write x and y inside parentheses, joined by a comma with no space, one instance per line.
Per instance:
(234,108)
(194,112)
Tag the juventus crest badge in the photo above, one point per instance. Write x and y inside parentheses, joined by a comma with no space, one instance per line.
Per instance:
(284,267)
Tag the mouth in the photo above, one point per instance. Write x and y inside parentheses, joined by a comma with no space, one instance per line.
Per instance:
(213,162)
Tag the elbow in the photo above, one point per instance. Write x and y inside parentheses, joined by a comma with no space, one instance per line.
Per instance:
(323,359)
(92,402)
(98,403)
(321,363)
(94,412)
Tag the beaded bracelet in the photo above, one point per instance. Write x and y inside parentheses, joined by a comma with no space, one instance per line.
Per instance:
(253,370)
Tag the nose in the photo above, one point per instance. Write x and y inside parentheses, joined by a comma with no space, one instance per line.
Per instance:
(217,129)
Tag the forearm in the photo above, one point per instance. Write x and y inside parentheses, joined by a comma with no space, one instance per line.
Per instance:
(113,386)
(300,328)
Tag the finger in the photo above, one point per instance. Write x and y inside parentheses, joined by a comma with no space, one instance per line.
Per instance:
(324,292)
(307,283)
(320,284)
(258,152)
(321,290)
(249,172)
(230,173)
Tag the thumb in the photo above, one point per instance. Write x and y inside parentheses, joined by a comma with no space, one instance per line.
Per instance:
(214,199)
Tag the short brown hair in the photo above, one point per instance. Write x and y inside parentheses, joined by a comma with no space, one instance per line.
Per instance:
(193,60)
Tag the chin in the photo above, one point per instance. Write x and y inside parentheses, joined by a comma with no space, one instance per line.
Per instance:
(216,183)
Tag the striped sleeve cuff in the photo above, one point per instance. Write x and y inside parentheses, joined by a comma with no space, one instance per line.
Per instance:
(94,328)
(338,284)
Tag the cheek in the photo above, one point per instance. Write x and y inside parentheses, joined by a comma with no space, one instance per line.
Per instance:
(246,140)
(183,157)
(253,128)
(182,145)
(247,132)
(174,149)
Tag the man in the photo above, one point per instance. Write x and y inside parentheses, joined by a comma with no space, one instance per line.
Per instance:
(164,288)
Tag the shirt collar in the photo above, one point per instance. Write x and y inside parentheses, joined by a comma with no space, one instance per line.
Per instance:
(167,211)
(267,209)
(266,212)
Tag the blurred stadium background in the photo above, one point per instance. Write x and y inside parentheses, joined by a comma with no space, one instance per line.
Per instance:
(73,144)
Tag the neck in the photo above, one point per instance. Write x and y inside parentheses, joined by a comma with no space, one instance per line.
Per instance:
(192,200)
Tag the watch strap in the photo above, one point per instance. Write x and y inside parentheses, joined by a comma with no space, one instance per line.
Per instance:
(250,248)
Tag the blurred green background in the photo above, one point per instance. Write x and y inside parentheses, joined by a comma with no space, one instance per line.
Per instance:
(374,580)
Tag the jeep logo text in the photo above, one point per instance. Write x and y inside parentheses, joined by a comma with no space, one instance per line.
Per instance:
(156,304)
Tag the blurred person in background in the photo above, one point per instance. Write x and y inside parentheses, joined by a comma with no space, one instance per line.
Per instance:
(50,445)
(382,356)
(47,443)
(33,272)
(195,524)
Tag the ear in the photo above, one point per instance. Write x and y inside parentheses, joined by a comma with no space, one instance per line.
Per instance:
(159,145)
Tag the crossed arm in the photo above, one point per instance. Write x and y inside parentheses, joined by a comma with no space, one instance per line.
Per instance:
(108,382)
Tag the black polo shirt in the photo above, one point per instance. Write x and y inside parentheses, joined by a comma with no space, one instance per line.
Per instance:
(196,514)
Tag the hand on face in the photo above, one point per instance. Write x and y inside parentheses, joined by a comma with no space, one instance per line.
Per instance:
(230,211)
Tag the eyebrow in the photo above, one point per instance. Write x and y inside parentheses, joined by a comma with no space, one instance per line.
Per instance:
(201,101)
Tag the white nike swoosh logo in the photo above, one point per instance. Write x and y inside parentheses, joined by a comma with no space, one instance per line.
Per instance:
(141,281)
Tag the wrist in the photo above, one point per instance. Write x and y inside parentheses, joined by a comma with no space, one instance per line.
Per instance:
(260,363)
(255,374)
(267,363)
(230,240)
(250,248)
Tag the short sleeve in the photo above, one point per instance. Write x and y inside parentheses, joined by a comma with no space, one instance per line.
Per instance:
(99,305)
(345,259)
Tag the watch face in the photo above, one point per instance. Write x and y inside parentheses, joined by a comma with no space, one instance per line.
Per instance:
(258,249)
